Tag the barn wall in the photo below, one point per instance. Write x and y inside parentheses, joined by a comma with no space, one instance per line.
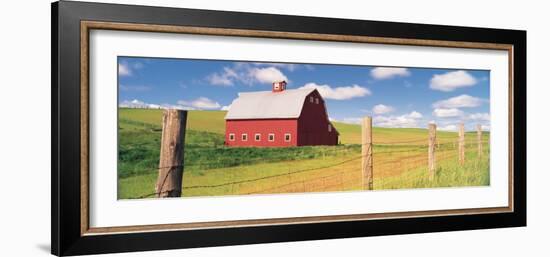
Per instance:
(313,123)
(278,126)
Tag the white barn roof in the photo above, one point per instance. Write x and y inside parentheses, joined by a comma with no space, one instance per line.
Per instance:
(268,104)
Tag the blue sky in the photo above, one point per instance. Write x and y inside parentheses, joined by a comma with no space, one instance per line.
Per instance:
(395,97)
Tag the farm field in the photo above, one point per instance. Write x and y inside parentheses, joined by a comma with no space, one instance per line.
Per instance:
(400,160)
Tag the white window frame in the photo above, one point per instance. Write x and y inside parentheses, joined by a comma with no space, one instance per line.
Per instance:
(244,137)
(311,99)
(270,136)
(289,137)
(316,100)
(329,127)
(231,136)
(257,137)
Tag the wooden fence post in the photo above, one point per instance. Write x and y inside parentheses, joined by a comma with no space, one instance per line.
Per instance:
(479,141)
(432,129)
(461,144)
(169,181)
(366,153)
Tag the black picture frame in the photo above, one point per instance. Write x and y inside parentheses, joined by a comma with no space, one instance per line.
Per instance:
(66,209)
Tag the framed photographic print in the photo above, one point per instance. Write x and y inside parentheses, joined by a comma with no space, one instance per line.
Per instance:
(177,128)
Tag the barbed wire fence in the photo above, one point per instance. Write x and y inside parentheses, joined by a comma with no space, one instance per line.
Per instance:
(395,164)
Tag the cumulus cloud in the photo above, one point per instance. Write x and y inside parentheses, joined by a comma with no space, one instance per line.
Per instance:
(381,109)
(388,72)
(267,75)
(124,70)
(201,103)
(247,74)
(351,120)
(461,101)
(409,120)
(339,93)
(452,80)
(143,105)
(480,116)
(415,115)
(223,78)
(447,113)
(225,107)
(133,104)
(285,66)
(449,127)
(136,88)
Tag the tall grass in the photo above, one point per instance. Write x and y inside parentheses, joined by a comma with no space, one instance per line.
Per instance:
(449,173)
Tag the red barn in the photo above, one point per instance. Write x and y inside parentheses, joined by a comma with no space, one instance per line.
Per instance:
(279,118)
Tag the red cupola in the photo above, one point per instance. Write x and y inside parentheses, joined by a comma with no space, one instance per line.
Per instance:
(279,86)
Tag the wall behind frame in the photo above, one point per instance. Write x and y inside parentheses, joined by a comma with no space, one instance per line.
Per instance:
(25,127)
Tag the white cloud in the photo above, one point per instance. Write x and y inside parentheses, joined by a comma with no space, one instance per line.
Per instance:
(225,107)
(339,93)
(415,115)
(447,113)
(350,120)
(388,73)
(143,105)
(461,101)
(485,127)
(452,80)
(267,75)
(138,104)
(381,109)
(124,70)
(132,103)
(223,78)
(449,127)
(201,103)
(137,88)
(247,74)
(409,120)
(480,116)
(286,66)
(127,68)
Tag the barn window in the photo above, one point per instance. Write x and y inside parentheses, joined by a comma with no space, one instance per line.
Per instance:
(287,137)
(257,137)
(329,128)
(244,137)
(231,137)
(311,99)
(271,137)
(316,100)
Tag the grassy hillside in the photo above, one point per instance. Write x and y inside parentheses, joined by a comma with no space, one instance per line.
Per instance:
(139,144)
(400,159)
(208,121)
(351,134)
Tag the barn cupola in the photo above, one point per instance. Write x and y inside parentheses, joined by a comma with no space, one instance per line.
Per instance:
(279,86)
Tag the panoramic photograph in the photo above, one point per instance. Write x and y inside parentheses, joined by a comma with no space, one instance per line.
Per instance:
(198,128)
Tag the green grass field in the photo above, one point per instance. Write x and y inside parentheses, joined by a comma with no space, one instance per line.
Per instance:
(400,160)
